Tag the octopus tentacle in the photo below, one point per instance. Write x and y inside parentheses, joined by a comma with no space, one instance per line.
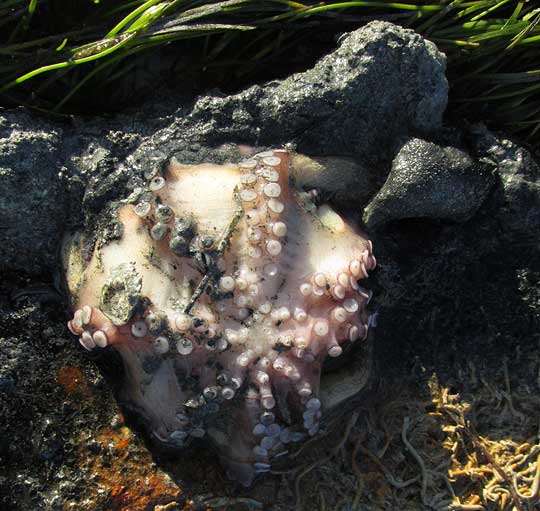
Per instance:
(224,296)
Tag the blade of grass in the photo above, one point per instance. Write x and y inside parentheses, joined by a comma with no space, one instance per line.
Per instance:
(131,17)
(490,10)
(61,65)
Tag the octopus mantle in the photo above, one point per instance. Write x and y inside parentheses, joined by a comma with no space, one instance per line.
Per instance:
(224,295)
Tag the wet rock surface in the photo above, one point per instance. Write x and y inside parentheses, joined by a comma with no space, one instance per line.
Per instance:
(64,440)
(428,180)
(518,185)
(32,204)
(455,229)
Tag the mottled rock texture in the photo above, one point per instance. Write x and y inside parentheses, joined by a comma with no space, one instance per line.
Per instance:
(518,183)
(428,180)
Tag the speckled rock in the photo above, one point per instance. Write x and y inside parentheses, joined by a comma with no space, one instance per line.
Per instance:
(430,181)
(64,442)
(339,106)
(518,177)
(47,170)
(32,206)
(336,107)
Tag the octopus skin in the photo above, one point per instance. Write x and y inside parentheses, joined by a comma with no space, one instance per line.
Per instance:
(224,295)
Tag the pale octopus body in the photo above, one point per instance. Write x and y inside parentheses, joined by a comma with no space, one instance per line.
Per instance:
(225,294)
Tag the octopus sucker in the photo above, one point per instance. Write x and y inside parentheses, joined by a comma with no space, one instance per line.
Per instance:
(225,295)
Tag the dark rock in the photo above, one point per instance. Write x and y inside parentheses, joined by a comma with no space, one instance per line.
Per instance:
(32,206)
(519,184)
(44,169)
(430,181)
(7,384)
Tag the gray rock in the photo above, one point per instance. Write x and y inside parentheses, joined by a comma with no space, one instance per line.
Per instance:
(32,206)
(381,82)
(520,177)
(430,181)
(519,184)
(48,170)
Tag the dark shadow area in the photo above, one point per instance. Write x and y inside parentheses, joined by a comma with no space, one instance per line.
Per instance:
(472,298)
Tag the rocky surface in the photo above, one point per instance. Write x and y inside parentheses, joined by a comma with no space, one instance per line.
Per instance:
(428,180)
(32,202)
(335,108)
(518,183)
(455,227)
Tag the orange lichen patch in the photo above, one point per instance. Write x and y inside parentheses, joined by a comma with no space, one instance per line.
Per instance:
(121,474)
(120,438)
(72,380)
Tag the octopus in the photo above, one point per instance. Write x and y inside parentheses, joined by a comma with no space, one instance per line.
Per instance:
(225,294)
